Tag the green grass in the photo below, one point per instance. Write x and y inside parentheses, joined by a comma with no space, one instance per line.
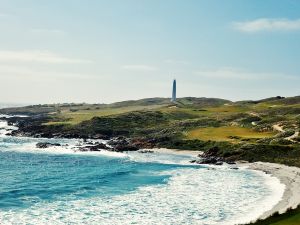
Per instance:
(227,108)
(293,220)
(225,133)
(69,117)
(292,217)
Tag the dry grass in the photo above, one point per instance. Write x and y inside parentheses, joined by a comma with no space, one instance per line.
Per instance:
(224,133)
(68,117)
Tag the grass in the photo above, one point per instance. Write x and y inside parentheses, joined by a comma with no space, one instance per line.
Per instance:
(226,133)
(69,117)
(291,217)
(228,109)
(293,220)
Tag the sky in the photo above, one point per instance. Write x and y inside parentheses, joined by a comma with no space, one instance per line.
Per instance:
(106,51)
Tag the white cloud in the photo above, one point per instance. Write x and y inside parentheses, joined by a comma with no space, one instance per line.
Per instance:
(174,61)
(16,72)
(48,31)
(141,68)
(234,73)
(37,56)
(265,24)
(228,73)
(4,15)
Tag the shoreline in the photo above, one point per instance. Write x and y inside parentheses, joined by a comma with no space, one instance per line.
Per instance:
(287,175)
(177,151)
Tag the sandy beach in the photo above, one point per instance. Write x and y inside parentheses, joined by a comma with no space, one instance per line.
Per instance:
(289,176)
(177,151)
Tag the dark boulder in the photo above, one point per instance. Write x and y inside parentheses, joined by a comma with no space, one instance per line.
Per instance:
(145,151)
(122,148)
(94,148)
(46,145)
(118,141)
(121,144)
(209,160)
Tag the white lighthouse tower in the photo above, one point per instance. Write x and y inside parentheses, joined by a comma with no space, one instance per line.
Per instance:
(174,91)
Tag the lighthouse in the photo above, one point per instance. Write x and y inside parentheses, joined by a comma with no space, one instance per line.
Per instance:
(174,91)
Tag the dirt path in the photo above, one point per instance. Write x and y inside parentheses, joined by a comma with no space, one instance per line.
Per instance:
(279,128)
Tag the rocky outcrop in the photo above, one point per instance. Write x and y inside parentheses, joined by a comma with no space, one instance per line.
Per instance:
(209,160)
(122,144)
(145,151)
(47,145)
(94,147)
(212,157)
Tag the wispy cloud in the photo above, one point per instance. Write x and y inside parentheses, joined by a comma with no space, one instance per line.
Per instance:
(239,74)
(139,67)
(25,72)
(37,56)
(47,31)
(174,61)
(267,24)
(3,15)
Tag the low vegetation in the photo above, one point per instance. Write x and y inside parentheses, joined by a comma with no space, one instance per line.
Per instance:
(227,133)
(291,217)
(265,130)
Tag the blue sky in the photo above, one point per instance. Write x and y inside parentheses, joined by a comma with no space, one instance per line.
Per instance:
(106,51)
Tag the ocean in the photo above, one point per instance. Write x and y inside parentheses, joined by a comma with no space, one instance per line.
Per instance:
(59,185)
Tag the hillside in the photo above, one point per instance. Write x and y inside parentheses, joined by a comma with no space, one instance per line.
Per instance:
(266,130)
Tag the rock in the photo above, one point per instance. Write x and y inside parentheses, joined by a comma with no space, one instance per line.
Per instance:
(100,146)
(209,160)
(200,154)
(46,144)
(122,144)
(145,151)
(118,141)
(144,143)
(122,148)
(94,148)
(211,152)
(234,168)
(100,136)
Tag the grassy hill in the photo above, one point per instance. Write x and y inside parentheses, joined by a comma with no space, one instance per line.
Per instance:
(205,119)
(270,124)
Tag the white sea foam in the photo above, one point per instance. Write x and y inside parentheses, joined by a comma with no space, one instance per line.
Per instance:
(161,157)
(68,146)
(5,128)
(113,154)
(275,195)
(10,116)
(191,196)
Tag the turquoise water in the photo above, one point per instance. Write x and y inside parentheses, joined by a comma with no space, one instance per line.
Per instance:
(62,186)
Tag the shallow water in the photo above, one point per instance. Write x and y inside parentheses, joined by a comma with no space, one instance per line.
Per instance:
(60,186)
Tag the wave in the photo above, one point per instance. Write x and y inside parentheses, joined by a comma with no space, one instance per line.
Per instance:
(10,116)
(6,129)
(193,196)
